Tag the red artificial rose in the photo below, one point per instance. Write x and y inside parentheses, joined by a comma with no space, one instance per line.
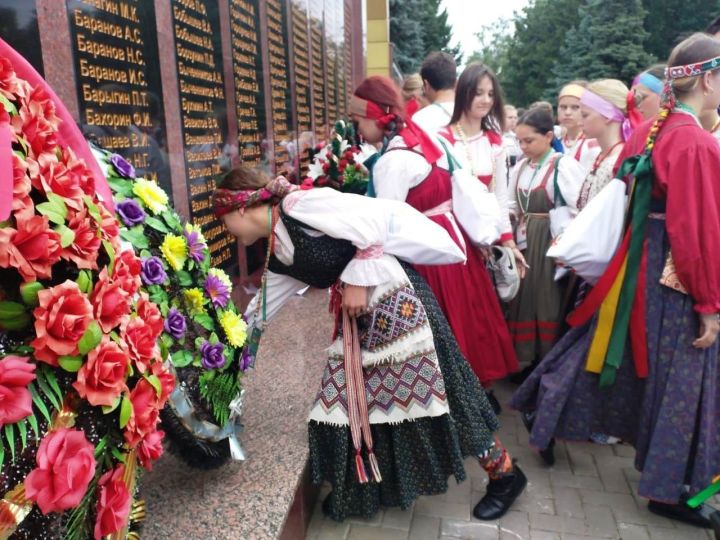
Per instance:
(127,271)
(109,228)
(78,171)
(65,466)
(43,103)
(326,167)
(343,163)
(15,399)
(22,204)
(8,79)
(101,379)
(113,506)
(141,341)
(60,321)
(30,123)
(150,449)
(145,413)
(85,247)
(150,313)
(47,175)
(32,248)
(111,303)
(167,381)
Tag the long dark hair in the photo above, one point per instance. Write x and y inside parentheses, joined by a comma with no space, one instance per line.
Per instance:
(466,91)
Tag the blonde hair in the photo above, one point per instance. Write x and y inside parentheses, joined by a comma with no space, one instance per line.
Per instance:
(411,86)
(611,90)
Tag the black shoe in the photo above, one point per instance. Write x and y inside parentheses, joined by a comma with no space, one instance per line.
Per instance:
(519,377)
(500,495)
(715,520)
(547,455)
(494,403)
(700,516)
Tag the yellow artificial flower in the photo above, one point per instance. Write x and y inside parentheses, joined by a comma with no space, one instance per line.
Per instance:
(195,301)
(194,228)
(222,276)
(152,195)
(234,327)
(174,249)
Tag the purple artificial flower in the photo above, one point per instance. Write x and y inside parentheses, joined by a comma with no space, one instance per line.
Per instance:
(130,212)
(212,356)
(153,272)
(175,324)
(196,247)
(217,291)
(122,166)
(247,360)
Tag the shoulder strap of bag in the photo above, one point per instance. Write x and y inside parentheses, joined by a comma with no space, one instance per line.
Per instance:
(452,162)
(556,189)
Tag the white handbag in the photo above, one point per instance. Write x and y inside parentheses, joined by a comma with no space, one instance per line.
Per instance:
(476,209)
(589,242)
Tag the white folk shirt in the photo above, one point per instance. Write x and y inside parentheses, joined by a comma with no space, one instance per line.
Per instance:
(583,150)
(434,117)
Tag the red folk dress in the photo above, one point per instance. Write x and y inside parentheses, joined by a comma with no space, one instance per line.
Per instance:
(464,291)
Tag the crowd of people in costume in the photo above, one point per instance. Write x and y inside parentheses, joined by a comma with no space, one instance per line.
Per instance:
(427,320)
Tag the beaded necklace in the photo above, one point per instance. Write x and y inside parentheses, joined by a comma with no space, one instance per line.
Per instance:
(473,167)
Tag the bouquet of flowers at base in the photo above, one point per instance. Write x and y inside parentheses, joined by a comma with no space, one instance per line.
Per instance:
(339,163)
(82,380)
(202,333)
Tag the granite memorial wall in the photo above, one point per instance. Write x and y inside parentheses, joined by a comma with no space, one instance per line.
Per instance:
(185,89)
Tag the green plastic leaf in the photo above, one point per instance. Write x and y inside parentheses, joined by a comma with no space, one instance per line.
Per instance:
(58,202)
(120,186)
(181,358)
(172,220)
(126,410)
(8,106)
(67,236)
(39,403)
(93,210)
(136,236)
(100,447)
(32,420)
(107,409)
(156,384)
(117,454)
(90,339)
(184,278)
(110,250)
(70,363)
(45,387)
(145,254)
(156,224)
(47,209)
(52,381)
(204,320)
(2,455)
(22,428)
(84,281)
(29,292)
(213,338)
(10,436)
(24,349)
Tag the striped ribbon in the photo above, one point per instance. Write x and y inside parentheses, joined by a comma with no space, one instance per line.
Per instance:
(357,401)
(619,296)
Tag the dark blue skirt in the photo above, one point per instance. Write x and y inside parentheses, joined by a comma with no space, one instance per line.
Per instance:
(672,418)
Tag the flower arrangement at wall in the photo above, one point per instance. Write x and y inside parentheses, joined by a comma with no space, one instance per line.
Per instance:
(339,163)
(202,332)
(82,379)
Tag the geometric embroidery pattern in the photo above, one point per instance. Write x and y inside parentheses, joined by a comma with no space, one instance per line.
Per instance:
(396,315)
(414,382)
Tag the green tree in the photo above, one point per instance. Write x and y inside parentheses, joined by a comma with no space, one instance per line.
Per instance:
(669,21)
(437,33)
(608,41)
(495,40)
(406,34)
(539,34)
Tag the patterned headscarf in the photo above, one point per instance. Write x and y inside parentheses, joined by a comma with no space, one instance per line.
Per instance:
(227,200)
(681,72)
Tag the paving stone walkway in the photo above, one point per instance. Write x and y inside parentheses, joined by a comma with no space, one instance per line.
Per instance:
(590,493)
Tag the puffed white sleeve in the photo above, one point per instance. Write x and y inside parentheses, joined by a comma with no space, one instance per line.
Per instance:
(279,289)
(501,192)
(571,176)
(397,172)
(380,230)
